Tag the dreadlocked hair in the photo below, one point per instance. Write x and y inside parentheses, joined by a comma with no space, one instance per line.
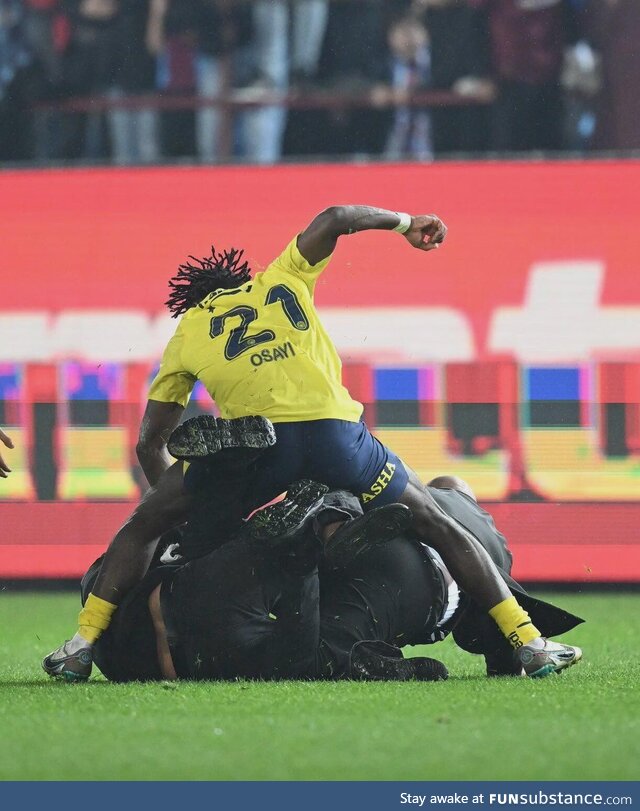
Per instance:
(192,282)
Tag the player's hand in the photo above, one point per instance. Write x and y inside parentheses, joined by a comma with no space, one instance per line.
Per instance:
(4,468)
(427,232)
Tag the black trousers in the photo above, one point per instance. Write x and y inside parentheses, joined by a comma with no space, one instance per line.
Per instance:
(394,594)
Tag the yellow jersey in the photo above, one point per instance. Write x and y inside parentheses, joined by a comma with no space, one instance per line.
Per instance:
(259,349)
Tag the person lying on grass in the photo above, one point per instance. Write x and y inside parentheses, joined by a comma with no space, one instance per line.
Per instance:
(315,589)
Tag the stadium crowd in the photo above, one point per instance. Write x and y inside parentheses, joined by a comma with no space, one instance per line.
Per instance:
(131,81)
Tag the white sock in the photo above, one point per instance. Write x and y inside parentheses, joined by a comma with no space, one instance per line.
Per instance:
(539,642)
(77,643)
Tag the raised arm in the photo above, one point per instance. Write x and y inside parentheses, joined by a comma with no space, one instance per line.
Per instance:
(4,467)
(158,422)
(318,240)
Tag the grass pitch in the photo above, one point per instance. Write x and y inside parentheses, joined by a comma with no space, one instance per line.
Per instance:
(583,725)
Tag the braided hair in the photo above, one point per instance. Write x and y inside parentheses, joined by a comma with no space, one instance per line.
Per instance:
(192,282)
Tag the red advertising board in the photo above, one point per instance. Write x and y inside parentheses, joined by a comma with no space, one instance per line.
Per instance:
(111,238)
(577,543)
(539,273)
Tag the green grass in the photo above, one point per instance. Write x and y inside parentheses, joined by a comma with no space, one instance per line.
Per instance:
(583,725)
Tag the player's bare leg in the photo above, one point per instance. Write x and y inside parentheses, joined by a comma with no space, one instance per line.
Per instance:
(127,559)
(469,564)
(537,656)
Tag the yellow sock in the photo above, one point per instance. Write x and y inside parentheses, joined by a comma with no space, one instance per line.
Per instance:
(95,618)
(514,622)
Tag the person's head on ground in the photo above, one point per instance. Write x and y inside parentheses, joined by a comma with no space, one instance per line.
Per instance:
(449,482)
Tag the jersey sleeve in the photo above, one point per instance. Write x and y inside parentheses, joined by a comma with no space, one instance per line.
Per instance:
(292,261)
(173,383)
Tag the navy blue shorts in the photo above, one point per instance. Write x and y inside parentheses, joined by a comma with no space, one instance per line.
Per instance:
(343,455)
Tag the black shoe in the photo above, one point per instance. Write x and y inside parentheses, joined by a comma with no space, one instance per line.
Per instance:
(206,435)
(287,519)
(502,664)
(361,534)
(378,661)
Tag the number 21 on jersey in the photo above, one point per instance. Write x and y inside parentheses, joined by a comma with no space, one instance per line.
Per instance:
(238,340)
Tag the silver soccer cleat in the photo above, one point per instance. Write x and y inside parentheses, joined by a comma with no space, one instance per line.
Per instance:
(552,657)
(70,666)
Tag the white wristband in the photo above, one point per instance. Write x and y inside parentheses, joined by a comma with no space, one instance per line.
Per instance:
(405,223)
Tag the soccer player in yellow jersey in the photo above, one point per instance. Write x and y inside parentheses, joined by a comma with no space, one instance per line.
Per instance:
(259,348)
(257,345)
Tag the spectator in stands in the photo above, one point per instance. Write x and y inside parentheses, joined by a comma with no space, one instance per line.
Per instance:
(581,82)
(352,61)
(47,32)
(527,42)
(409,73)
(309,19)
(16,83)
(614,26)
(287,42)
(262,128)
(172,35)
(88,70)
(106,56)
(223,27)
(460,63)
(133,130)
(43,26)
(198,41)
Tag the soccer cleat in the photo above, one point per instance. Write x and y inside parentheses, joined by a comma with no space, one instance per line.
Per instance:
(204,436)
(369,662)
(551,657)
(288,518)
(74,666)
(358,536)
